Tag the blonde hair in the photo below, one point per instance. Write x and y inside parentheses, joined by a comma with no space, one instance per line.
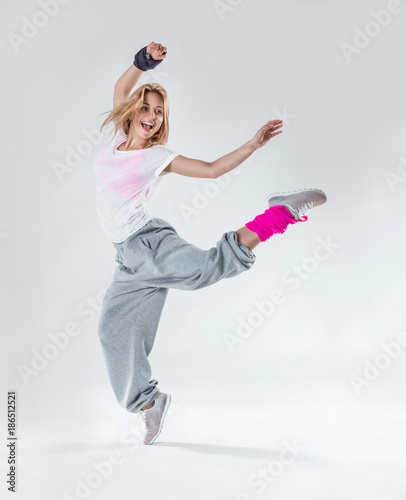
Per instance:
(122,115)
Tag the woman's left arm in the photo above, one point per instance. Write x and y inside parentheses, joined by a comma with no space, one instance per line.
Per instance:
(199,168)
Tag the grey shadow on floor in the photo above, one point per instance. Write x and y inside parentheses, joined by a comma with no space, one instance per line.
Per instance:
(233,451)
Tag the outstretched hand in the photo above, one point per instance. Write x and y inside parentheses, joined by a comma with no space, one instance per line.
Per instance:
(157,51)
(265,133)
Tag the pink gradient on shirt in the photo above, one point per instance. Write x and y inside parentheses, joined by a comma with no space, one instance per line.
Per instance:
(122,174)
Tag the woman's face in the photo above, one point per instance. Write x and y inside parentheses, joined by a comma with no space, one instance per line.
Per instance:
(151,113)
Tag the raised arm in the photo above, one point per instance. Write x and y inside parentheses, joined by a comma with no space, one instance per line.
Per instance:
(127,81)
(125,84)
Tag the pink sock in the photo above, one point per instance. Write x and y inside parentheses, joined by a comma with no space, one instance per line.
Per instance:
(274,220)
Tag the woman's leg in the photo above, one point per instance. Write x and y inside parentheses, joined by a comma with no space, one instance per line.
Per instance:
(127,328)
(248,238)
(274,220)
(161,258)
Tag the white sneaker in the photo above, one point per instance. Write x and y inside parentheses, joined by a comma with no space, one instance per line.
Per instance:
(154,417)
(298,202)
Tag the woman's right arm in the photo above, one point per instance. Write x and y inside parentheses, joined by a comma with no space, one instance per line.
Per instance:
(125,84)
(127,81)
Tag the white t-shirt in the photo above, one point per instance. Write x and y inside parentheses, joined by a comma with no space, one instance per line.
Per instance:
(125,180)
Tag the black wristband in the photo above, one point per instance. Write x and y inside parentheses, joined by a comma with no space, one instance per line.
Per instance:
(144,61)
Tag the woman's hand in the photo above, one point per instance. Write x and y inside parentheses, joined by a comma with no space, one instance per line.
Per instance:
(157,51)
(265,133)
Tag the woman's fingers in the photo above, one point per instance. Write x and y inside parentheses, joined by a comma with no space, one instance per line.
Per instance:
(273,124)
(158,49)
(268,131)
(269,127)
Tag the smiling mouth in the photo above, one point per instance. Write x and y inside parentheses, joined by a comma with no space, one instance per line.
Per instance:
(146,126)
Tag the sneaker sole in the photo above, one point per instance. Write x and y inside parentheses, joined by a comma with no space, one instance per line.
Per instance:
(289,193)
(166,408)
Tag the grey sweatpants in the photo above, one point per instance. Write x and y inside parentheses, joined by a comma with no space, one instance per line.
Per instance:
(150,261)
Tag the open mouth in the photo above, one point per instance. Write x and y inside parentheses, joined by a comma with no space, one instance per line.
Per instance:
(146,126)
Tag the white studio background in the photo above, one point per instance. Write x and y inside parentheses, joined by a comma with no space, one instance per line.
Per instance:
(327,365)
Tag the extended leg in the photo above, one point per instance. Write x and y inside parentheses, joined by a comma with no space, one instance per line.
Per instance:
(157,256)
(160,257)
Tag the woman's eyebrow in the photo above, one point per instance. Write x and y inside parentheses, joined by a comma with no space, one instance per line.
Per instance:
(155,106)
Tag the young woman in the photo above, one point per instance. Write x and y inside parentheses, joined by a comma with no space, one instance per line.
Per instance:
(151,256)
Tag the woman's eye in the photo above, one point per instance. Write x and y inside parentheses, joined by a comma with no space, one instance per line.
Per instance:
(159,111)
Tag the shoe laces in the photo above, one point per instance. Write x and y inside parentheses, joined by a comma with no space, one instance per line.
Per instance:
(144,419)
(305,207)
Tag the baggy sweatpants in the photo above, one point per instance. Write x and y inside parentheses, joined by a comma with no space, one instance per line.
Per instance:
(150,261)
